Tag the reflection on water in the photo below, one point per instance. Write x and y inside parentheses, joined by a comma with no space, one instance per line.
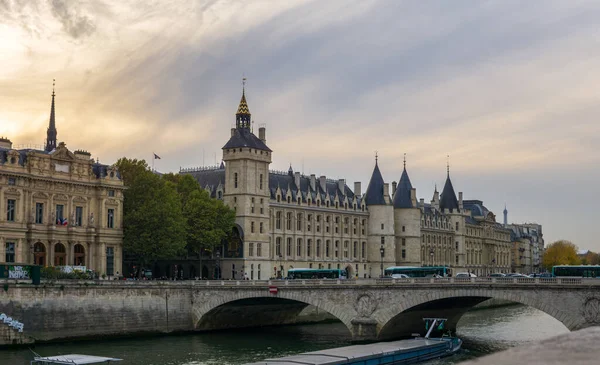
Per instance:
(483,332)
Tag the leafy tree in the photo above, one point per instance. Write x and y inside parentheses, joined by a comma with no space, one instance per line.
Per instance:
(561,253)
(153,223)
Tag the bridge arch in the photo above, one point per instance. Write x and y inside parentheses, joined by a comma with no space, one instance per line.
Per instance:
(205,308)
(406,316)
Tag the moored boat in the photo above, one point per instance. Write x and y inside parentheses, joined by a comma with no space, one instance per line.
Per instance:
(383,353)
(73,359)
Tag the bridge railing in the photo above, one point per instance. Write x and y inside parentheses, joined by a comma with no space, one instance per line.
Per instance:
(517,281)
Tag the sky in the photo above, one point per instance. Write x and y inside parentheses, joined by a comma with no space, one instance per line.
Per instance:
(507,89)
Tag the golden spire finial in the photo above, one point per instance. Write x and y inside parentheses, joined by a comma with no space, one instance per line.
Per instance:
(448,164)
(405,160)
(53,83)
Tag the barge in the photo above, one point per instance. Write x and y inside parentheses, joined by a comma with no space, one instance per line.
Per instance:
(383,353)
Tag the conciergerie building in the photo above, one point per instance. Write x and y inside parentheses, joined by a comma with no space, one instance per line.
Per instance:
(59,207)
(286,220)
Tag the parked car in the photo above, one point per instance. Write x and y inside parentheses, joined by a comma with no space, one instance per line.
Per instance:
(545,275)
(516,275)
(497,275)
(465,275)
(400,276)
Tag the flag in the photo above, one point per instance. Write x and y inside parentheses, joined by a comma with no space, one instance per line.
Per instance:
(64,222)
(156,157)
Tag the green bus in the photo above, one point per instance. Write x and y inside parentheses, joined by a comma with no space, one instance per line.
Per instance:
(418,271)
(580,271)
(317,274)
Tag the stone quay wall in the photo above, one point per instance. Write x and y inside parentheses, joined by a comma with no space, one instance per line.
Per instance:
(61,311)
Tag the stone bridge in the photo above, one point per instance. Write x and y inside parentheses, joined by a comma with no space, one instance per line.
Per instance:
(371,309)
(378,309)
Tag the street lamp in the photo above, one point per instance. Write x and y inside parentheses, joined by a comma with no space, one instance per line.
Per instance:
(218,269)
(382,252)
(431,253)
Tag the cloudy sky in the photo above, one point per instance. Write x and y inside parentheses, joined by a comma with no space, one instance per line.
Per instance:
(508,89)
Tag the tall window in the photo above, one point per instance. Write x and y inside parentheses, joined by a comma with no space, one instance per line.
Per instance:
(299,222)
(110,261)
(10,210)
(288,221)
(261,181)
(382,240)
(79,216)
(289,246)
(39,213)
(261,227)
(318,250)
(308,244)
(299,247)
(278,220)
(259,249)
(278,246)
(363,251)
(60,211)
(250,249)
(251,227)
(355,249)
(110,222)
(10,252)
(235,180)
(327,248)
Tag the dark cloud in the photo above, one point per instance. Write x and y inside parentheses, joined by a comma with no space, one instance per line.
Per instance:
(74,24)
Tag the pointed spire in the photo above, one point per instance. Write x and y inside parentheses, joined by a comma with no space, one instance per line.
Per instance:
(448,198)
(402,197)
(374,194)
(242,116)
(448,165)
(51,132)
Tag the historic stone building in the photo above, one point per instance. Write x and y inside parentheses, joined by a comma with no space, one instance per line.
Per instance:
(288,220)
(59,207)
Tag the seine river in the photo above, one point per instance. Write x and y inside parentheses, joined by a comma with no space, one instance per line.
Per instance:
(483,331)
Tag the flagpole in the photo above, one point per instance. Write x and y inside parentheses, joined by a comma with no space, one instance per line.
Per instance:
(152,161)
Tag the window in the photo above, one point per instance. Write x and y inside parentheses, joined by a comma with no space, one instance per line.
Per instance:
(403,228)
(261,182)
(278,247)
(403,254)
(258,271)
(327,248)
(346,243)
(299,222)
(457,226)
(355,249)
(382,226)
(278,220)
(288,221)
(457,245)
(308,244)
(110,222)
(10,252)
(235,180)
(10,210)
(39,213)
(299,247)
(250,249)
(60,214)
(289,246)
(78,216)
(110,261)
(261,227)
(111,193)
(363,251)
(251,227)
(252,208)
(318,251)
(12,181)
(404,242)
(383,240)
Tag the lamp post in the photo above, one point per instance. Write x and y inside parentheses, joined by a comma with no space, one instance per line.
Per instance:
(218,269)
(431,253)
(382,252)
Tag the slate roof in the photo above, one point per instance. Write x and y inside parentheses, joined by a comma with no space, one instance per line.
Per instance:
(402,195)
(211,178)
(448,198)
(243,137)
(374,194)
(476,207)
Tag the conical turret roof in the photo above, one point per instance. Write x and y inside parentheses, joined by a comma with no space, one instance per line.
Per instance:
(448,199)
(374,195)
(402,197)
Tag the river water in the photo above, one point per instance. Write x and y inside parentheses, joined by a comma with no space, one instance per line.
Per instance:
(483,332)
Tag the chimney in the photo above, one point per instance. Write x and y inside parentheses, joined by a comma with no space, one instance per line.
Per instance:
(313,182)
(460,202)
(386,190)
(232,131)
(5,143)
(357,191)
(297,179)
(413,197)
(394,186)
(262,134)
(342,186)
(323,182)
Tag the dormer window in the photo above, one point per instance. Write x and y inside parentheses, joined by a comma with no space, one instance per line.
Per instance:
(289,199)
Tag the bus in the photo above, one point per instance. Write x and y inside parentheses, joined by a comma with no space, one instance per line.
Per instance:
(317,274)
(580,271)
(418,272)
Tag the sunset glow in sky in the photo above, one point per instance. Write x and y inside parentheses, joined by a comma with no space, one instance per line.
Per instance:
(508,89)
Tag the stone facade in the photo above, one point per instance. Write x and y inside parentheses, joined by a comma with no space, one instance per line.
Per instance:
(59,207)
(289,220)
(527,243)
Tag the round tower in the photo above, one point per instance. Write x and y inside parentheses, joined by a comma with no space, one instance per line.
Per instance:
(407,222)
